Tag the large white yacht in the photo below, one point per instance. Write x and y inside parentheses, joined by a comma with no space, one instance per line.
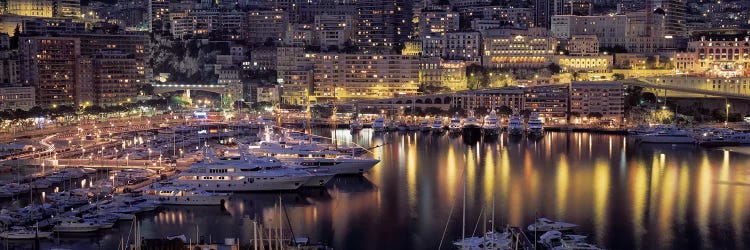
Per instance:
(491,125)
(515,125)
(309,156)
(668,136)
(249,174)
(471,126)
(534,126)
(185,195)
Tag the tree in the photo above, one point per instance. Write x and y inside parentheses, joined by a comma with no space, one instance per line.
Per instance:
(476,77)
(433,111)
(649,97)
(554,68)
(633,96)
(618,76)
(14,41)
(505,110)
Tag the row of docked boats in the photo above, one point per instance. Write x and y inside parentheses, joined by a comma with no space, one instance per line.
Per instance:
(55,177)
(705,136)
(470,126)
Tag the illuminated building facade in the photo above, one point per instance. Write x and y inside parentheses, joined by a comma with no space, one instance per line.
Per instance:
(16,97)
(463,46)
(634,31)
(358,76)
(519,50)
(50,65)
(294,70)
(435,71)
(333,30)
(262,25)
(551,102)
(437,23)
(115,79)
(586,45)
(716,57)
(593,64)
(605,98)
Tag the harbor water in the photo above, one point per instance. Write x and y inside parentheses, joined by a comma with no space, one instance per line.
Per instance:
(622,194)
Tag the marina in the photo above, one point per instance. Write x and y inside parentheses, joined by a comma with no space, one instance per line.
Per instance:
(486,166)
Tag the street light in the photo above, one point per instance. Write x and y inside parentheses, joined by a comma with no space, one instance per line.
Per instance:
(726,122)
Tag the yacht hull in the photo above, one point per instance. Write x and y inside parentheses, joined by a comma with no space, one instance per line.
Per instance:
(249,184)
(195,200)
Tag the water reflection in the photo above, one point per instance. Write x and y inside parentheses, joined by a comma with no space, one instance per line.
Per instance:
(623,195)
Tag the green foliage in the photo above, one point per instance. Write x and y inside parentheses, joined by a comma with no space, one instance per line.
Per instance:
(477,77)
(14,40)
(505,110)
(618,76)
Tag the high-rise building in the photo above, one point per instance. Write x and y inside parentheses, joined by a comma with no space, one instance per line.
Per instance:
(50,65)
(358,76)
(673,12)
(543,11)
(115,78)
(265,25)
(605,98)
(376,25)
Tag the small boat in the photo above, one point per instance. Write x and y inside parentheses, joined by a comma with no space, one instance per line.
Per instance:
(379,125)
(534,127)
(425,126)
(454,127)
(76,226)
(22,233)
(491,125)
(355,125)
(544,224)
(437,125)
(471,126)
(515,125)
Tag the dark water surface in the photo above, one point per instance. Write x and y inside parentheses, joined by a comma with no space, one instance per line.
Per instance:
(624,196)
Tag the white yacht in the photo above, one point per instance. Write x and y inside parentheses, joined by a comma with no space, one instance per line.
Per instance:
(515,125)
(76,225)
(491,125)
(308,156)
(256,174)
(437,125)
(534,126)
(471,126)
(355,125)
(185,195)
(544,224)
(379,125)
(425,126)
(717,137)
(22,233)
(454,127)
(668,136)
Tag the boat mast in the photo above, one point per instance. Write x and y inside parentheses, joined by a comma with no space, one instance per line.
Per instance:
(335,124)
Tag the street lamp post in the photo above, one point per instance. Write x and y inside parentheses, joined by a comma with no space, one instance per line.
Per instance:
(726,122)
